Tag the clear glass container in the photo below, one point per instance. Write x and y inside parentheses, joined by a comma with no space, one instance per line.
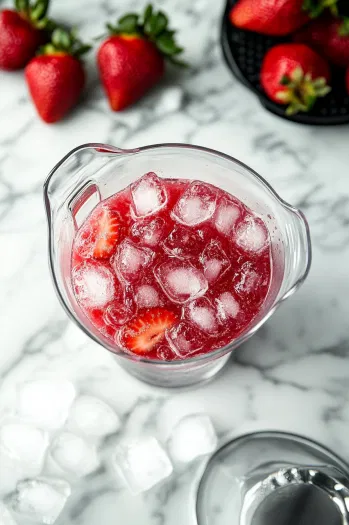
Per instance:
(92,172)
(273,478)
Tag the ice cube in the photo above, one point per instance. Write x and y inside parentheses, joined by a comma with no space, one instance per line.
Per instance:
(202,314)
(214,261)
(130,260)
(251,235)
(247,280)
(196,205)
(94,284)
(73,454)
(149,233)
(193,436)
(93,417)
(148,195)
(227,213)
(117,314)
(146,296)
(181,281)
(45,402)
(227,306)
(183,242)
(164,353)
(41,500)
(184,339)
(22,446)
(141,463)
(6,517)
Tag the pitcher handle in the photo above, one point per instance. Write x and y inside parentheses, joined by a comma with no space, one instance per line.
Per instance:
(297,265)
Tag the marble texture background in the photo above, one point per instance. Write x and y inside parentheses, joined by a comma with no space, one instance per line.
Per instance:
(292,375)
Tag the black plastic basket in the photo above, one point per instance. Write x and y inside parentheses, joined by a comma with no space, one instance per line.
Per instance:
(244,52)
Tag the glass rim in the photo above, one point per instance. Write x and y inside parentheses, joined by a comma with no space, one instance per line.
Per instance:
(101,149)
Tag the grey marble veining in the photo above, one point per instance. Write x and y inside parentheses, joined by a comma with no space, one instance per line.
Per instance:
(292,375)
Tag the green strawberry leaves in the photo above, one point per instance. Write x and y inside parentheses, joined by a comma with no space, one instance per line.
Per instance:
(152,25)
(63,41)
(314,8)
(35,12)
(301,91)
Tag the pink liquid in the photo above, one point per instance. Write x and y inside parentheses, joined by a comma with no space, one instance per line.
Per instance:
(184,248)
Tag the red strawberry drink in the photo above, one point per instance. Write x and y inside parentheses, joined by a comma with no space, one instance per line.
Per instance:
(170,269)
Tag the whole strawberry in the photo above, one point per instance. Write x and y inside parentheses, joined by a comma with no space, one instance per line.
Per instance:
(276,18)
(56,77)
(329,36)
(22,31)
(294,75)
(131,60)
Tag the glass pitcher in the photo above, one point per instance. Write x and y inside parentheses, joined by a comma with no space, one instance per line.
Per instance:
(94,172)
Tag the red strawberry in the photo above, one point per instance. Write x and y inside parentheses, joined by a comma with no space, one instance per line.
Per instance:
(143,333)
(330,37)
(108,233)
(294,74)
(21,33)
(131,60)
(56,78)
(281,17)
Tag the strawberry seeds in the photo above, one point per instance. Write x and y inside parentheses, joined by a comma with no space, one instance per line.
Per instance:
(168,269)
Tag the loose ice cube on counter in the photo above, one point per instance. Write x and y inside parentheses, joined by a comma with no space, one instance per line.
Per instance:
(196,205)
(215,261)
(142,464)
(93,417)
(251,235)
(226,216)
(6,517)
(148,195)
(202,314)
(193,436)
(180,280)
(184,339)
(22,448)
(46,403)
(94,284)
(40,500)
(131,259)
(73,454)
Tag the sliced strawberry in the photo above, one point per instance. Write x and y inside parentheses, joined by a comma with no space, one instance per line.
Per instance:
(141,334)
(108,234)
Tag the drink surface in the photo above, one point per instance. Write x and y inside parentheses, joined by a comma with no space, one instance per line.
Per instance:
(169,269)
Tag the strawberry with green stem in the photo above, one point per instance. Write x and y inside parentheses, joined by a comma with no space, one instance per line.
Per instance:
(132,59)
(294,75)
(22,31)
(56,77)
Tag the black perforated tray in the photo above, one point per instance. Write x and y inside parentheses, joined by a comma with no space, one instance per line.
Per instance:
(244,52)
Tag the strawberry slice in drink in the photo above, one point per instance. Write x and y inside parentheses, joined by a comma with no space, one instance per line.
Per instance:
(143,333)
(108,234)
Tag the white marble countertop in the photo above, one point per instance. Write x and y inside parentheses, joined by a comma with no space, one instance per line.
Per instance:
(292,375)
